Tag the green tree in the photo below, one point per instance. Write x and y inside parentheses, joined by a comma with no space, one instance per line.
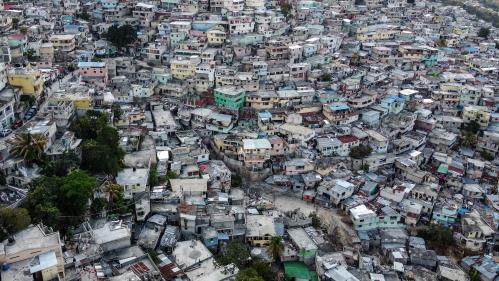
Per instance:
(15,23)
(264,269)
(474,275)
(114,190)
(28,100)
(29,54)
(117,112)
(326,77)
(360,152)
(41,201)
(116,202)
(28,146)
(71,67)
(119,205)
(286,9)
(248,274)
(169,175)
(3,179)
(437,236)
(484,32)
(472,127)
(101,158)
(75,192)
(365,167)
(234,252)
(316,220)
(12,221)
(109,136)
(468,139)
(442,42)
(236,180)
(23,29)
(487,156)
(61,166)
(84,16)
(53,199)
(275,248)
(121,36)
(153,177)
(98,205)
(100,150)
(89,125)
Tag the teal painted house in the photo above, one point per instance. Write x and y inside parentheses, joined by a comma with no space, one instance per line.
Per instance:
(393,104)
(210,237)
(445,214)
(230,97)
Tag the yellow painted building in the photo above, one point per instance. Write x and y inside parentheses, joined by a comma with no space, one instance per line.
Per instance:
(82,103)
(184,68)
(216,36)
(480,114)
(376,32)
(262,100)
(28,79)
(81,100)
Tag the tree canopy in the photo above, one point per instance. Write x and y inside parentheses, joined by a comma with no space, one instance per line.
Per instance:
(53,197)
(469,134)
(100,150)
(484,32)
(316,220)
(117,112)
(89,125)
(15,23)
(28,146)
(60,166)
(360,152)
(121,36)
(437,236)
(286,9)
(234,252)
(275,247)
(84,16)
(12,221)
(236,180)
(326,77)
(248,274)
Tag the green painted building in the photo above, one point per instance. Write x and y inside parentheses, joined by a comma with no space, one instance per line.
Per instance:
(230,97)
(299,271)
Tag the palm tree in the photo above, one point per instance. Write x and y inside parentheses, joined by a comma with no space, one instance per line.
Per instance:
(469,139)
(275,247)
(114,190)
(28,146)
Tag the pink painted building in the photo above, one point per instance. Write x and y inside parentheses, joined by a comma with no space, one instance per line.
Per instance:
(93,73)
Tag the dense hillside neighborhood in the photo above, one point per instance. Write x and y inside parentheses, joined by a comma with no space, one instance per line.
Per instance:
(249,140)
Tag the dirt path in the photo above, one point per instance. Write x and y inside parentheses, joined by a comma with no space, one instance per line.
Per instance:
(331,218)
